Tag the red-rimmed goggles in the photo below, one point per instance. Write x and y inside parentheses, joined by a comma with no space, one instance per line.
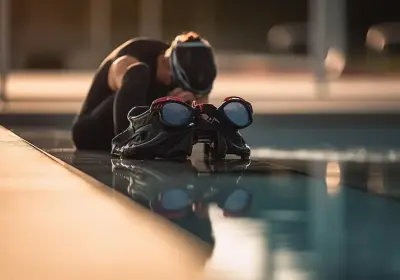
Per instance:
(175,112)
(237,111)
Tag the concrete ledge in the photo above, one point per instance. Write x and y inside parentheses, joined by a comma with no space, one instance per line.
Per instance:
(57,225)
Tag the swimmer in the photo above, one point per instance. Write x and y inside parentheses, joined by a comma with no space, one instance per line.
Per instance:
(135,74)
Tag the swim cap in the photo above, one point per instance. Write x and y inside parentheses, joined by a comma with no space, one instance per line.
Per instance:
(192,64)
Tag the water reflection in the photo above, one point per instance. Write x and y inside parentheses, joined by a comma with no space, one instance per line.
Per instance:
(182,193)
(267,221)
(377,178)
(225,205)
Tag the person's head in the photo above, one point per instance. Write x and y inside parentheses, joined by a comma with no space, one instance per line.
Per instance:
(191,64)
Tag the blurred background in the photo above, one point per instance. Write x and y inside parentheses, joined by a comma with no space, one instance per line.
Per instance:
(265,35)
(287,57)
(43,43)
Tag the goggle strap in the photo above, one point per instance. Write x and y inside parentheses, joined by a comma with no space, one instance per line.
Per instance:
(166,99)
(178,72)
(192,44)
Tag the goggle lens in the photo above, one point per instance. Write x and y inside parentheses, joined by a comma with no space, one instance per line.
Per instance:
(175,114)
(237,113)
(175,200)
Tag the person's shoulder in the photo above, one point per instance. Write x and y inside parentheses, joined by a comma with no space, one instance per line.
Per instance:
(141,48)
(146,42)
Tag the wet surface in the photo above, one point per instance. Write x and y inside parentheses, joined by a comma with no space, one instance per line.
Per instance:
(266,219)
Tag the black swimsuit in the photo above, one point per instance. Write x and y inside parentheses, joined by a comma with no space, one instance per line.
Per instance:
(104,112)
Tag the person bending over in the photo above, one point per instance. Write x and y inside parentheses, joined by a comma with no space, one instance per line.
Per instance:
(135,74)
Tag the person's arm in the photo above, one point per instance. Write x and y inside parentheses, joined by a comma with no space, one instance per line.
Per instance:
(118,70)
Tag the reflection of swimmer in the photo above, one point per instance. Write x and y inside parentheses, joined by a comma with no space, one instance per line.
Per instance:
(181,193)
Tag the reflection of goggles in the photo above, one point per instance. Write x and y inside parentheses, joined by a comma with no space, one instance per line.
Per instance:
(176,113)
(178,73)
(175,203)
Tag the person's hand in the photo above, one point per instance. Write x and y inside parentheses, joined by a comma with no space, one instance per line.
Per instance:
(186,96)
(202,100)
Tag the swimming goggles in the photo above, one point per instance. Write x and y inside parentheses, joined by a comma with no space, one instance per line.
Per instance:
(174,112)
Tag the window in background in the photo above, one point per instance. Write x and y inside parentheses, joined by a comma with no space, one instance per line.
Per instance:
(241,25)
(373,35)
(233,26)
(182,15)
(244,26)
(124,21)
(44,33)
(239,30)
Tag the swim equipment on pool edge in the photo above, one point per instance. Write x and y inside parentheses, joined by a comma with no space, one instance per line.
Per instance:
(169,128)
